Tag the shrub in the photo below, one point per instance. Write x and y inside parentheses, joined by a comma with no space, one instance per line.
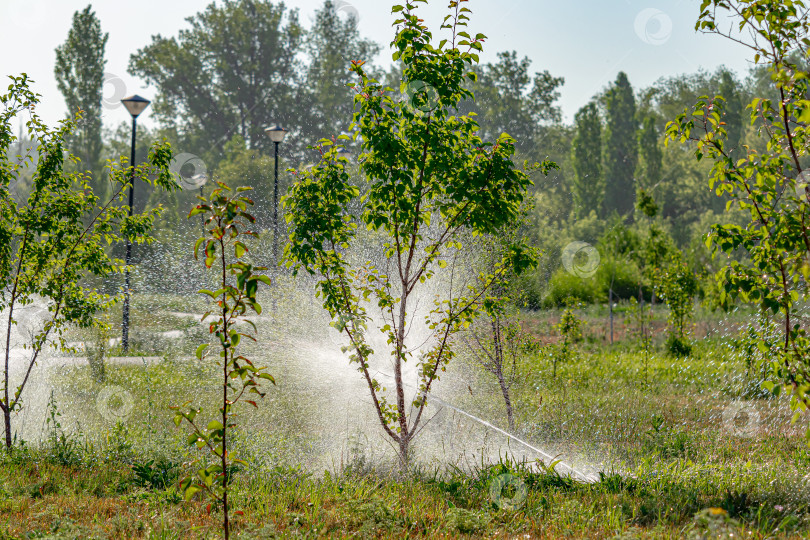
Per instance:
(153,474)
(678,347)
(625,276)
(564,286)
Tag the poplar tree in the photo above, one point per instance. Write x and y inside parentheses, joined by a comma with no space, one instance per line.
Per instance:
(79,72)
(588,188)
(621,150)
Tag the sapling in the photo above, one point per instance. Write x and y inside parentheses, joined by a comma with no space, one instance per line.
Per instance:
(768,181)
(677,286)
(495,342)
(429,181)
(644,334)
(60,235)
(222,249)
(570,329)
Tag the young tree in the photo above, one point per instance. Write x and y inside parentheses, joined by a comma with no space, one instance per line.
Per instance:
(677,286)
(649,255)
(588,187)
(570,329)
(226,219)
(768,185)
(428,178)
(656,244)
(60,235)
(496,342)
(79,72)
(621,148)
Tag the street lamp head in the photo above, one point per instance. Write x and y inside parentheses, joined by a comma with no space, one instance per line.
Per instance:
(276,133)
(135,104)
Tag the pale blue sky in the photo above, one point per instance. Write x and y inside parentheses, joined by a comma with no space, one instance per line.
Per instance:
(585,41)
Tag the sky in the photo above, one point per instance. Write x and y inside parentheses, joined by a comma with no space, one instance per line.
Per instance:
(585,41)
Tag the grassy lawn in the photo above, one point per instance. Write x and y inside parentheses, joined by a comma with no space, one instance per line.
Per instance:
(686,448)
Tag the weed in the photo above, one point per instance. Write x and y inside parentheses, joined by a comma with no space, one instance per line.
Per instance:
(155,474)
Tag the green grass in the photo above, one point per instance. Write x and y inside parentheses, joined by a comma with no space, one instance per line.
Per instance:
(675,463)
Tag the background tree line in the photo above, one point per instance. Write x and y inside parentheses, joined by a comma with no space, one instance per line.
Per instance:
(240,66)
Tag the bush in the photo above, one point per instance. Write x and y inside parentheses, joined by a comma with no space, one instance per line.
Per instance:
(153,474)
(564,287)
(678,347)
(625,275)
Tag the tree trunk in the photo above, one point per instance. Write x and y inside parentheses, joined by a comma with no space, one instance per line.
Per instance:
(505,392)
(7,424)
(404,445)
(499,366)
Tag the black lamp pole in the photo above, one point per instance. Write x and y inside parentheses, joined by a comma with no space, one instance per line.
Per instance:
(125,323)
(135,105)
(276,134)
(275,208)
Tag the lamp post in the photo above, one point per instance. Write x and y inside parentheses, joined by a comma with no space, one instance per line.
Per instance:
(135,105)
(276,134)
